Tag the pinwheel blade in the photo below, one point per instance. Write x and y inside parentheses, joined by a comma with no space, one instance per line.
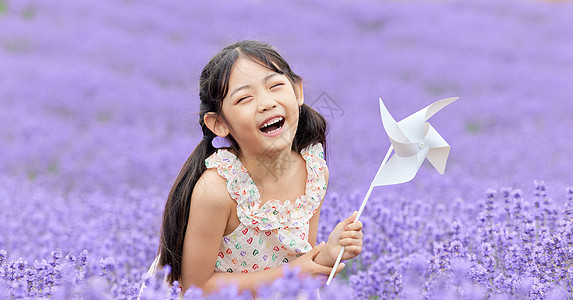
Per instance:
(413,126)
(435,107)
(390,125)
(400,169)
(438,157)
(439,150)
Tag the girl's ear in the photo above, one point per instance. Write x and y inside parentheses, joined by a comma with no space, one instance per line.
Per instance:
(216,124)
(298,93)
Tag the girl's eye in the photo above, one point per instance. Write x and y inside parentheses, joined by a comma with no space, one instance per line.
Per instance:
(278,84)
(244,98)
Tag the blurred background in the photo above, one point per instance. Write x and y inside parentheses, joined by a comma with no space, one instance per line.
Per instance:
(99,103)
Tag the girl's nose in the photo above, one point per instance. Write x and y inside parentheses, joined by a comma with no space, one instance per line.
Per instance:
(266,103)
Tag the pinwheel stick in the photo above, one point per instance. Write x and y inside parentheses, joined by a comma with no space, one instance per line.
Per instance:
(358,216)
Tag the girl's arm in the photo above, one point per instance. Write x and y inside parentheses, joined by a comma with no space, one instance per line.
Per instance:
(211,207)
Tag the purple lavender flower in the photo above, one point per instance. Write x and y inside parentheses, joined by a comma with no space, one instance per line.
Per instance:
(193,293)
(363,285)
(107,266)
(3,256)
(540,188)
(83,258)
(291,285)
(55,257)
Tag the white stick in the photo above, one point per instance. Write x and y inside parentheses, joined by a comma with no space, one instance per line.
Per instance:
(358,216)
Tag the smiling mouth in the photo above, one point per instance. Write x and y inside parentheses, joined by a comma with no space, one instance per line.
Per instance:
(273,125)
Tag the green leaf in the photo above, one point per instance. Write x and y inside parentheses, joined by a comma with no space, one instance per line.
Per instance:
(473,127)
(28,13)
(3,7)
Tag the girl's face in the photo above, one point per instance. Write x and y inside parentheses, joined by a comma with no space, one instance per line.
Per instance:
(261,108)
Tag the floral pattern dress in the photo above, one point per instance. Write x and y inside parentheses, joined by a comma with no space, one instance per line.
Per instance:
(267,236)
(276,232)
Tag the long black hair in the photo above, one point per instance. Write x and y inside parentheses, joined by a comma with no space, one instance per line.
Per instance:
(214,85)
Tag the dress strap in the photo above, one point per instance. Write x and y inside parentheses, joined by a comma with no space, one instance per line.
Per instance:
(239,184)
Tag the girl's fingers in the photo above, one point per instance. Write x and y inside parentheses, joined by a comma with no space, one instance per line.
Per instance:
(354,226)
(350,219)
(339,268)
(320,269)
(324,270)
(350,242)
(354,249)
(351,235)
(315,250)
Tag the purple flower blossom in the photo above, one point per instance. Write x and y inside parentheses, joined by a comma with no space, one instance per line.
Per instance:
(83,258)
(3,256)
(363,285)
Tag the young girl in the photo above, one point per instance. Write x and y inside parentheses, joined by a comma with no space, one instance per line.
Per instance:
(236,214)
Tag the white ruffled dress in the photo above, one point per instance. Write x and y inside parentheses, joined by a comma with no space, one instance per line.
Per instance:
(274,233)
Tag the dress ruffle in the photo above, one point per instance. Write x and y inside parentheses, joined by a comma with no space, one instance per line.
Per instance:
(274,213)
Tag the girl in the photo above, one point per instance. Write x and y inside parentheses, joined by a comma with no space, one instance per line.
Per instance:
(236,214)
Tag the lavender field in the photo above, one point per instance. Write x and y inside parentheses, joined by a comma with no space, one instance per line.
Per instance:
(99,110)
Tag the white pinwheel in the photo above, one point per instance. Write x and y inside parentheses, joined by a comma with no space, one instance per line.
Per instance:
(413,139)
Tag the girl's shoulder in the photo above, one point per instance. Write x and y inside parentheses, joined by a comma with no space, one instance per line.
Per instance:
(211,189)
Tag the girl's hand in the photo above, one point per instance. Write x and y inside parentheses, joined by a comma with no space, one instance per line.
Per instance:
(347,233)
(307,264)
